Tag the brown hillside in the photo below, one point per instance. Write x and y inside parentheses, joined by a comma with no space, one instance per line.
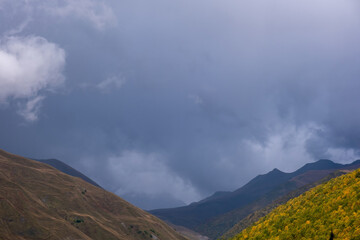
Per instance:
(40,202)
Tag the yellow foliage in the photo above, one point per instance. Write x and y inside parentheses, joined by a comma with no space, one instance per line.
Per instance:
(333,206)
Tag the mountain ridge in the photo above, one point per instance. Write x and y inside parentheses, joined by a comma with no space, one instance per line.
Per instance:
(196,215)
(65,168)
(261,212)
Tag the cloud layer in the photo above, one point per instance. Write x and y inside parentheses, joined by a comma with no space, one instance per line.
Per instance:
(149,175)
(97,13)
(215,92)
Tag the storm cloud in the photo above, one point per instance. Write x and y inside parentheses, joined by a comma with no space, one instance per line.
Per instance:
(165,102)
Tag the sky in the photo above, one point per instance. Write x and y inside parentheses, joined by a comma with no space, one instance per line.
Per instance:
(166,102)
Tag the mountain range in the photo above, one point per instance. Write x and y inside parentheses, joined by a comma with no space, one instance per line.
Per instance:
(256,215)
(48,199)
(218,213)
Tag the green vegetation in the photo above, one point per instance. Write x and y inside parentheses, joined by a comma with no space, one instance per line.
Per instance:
(330,207)
(78,220)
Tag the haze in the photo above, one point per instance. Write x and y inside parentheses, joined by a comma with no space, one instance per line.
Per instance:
(166,102)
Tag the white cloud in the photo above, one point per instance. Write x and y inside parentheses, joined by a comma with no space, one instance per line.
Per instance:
(107,85)
(111,83)
(148,174)
(343,155)
(96,12)
(31,109)
(19,28)
(29,65)
(285,148)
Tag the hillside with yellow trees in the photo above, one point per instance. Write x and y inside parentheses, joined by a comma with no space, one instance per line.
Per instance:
(333,207)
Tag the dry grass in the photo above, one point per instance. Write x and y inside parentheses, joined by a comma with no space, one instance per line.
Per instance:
(40,202)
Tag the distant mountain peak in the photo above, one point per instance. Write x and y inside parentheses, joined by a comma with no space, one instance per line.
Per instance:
(356,162)
(272,173)
(322,164)
(276,170)
(324,161)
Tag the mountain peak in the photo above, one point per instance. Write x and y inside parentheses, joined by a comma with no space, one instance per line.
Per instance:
(356,162)
(324,161)
(275,170)
(322,164)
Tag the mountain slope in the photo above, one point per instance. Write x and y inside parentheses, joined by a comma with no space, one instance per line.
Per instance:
(39,202)
(59,165)
(196,213)
(330,207)
(261,212)
(216,214)
(217,226)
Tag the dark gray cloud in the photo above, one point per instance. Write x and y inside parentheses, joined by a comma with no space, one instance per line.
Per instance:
(175,100)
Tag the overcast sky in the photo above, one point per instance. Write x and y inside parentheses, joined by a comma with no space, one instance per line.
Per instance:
(165,102)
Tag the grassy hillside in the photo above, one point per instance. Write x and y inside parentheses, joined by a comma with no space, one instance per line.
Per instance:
(333,206)
(40,202)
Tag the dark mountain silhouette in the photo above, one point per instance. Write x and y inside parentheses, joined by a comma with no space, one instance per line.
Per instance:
(216,214)
(59,165)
